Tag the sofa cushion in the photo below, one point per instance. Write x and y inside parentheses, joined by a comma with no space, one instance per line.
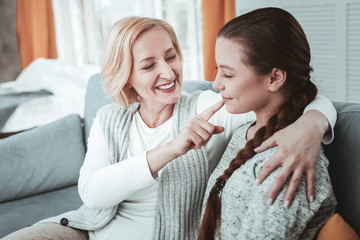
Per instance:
(42,159)
(336,228)
(344,167)
(27,211)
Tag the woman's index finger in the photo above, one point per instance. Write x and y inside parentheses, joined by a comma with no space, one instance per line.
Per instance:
(207,113)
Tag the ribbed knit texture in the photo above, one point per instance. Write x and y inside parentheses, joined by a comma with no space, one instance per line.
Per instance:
(182,185)
(182,182)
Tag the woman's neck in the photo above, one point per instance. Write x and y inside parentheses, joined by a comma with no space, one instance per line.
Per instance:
(155,115)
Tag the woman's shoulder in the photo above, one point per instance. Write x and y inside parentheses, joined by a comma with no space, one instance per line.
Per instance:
(192,95)
(114,108)
(109,107)
(207,98)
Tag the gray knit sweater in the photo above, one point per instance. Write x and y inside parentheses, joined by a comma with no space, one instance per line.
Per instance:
(244,212)
(181,184)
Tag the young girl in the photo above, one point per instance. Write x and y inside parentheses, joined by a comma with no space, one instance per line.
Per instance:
(263,62)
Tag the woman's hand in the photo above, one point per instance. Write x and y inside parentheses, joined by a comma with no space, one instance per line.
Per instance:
(195,134)
(297,153)
(197,131)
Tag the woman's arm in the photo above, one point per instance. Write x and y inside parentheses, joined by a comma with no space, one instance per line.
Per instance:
(298,149)
(102,185)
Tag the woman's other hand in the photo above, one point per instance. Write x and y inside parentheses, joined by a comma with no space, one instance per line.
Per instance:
(297,153)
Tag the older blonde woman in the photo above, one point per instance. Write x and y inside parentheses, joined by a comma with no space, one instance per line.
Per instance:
(151,152)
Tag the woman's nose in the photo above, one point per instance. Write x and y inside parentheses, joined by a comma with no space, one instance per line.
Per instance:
(166,71)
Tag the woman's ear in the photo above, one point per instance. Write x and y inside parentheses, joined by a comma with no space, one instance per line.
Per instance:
(127,85)
(277,79)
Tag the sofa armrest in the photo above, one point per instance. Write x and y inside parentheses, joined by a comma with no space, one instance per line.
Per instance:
(42,159)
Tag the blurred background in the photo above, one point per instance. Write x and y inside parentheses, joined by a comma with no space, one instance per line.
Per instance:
(50,48)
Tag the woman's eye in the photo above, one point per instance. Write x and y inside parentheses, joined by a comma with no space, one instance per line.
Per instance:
(171,57)
(227,76)
(147,67)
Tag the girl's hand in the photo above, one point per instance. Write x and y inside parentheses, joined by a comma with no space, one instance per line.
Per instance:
(297,154)
(197,131)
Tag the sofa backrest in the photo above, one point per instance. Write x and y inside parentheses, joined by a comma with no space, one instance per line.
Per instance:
(344,157)
(343,152)
(95,98)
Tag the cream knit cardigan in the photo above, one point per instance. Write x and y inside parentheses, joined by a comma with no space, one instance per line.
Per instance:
(182,182)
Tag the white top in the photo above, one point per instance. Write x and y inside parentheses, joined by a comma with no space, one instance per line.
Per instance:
(131,182)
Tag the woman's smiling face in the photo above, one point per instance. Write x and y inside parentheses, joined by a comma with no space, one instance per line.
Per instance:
(156,73)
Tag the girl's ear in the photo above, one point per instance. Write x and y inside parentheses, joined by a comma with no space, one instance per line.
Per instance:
(277,79)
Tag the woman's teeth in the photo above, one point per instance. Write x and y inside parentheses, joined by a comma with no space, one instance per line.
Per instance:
(163,87)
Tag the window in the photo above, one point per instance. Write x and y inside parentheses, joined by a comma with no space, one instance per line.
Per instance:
(333,31)
(81,26)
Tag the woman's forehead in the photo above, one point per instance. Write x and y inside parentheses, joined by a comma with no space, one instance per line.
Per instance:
(154,41)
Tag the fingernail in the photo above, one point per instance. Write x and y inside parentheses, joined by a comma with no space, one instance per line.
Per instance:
(311,198)
(257,181)
(255,149)
(286,204)
(269,201)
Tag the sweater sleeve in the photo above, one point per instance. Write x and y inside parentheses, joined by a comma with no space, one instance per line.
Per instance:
(102,185)
(325,106)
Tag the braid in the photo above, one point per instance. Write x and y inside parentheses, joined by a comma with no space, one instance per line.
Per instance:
(291,110)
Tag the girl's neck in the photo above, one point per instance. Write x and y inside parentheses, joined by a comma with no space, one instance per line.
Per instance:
(262,117)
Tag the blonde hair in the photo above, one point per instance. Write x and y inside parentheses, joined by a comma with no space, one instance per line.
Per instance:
(117,55)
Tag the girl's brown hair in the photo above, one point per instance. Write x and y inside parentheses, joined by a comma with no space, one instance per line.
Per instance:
(271,38)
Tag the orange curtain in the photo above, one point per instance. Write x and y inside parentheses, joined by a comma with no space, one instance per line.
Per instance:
(35,30)
(215,14)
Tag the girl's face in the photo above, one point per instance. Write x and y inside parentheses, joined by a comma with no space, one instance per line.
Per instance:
(156,73)
(241,88)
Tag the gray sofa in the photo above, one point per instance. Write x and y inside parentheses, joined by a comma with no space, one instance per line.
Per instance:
(39,168)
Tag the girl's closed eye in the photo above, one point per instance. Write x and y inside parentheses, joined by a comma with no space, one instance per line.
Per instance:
(223,74)
(227,76)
